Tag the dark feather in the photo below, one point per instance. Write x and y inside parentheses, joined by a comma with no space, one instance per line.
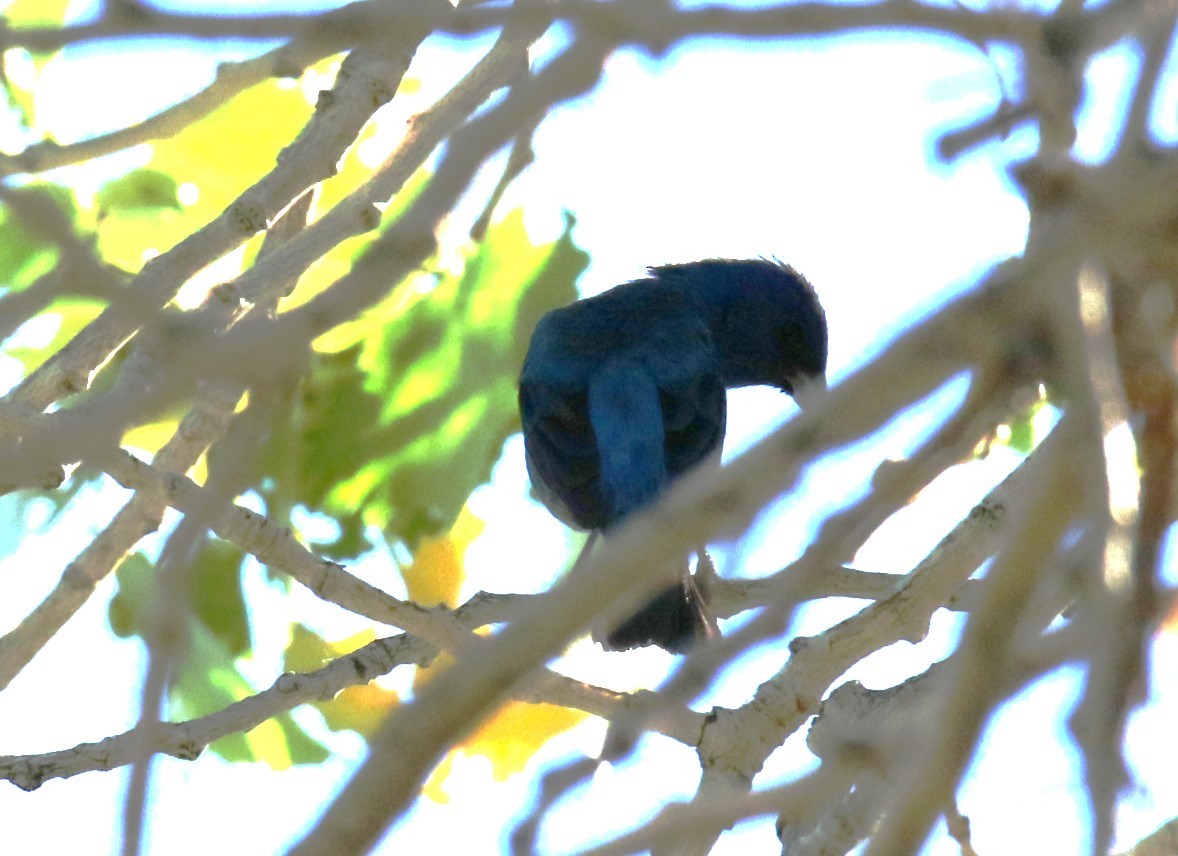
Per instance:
(623,393)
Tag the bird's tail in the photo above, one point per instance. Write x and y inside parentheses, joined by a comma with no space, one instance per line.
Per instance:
(674,619)
(627,422)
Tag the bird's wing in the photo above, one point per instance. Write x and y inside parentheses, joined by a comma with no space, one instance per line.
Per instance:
(558,440)
(561,452)
(638,339)
(681,357)
(694,416)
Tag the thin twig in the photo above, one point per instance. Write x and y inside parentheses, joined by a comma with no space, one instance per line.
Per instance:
(186,740)
(978,678)
(232,78)
(368,78)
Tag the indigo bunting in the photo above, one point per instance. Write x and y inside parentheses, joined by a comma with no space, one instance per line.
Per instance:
(623,393)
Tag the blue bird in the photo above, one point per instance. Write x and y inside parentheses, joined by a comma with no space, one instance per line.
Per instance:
(623,393)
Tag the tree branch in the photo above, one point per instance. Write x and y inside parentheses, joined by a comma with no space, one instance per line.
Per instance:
(368,78)
(186,740)
(232,78)
(1045,513)
(198,430)
(702,506)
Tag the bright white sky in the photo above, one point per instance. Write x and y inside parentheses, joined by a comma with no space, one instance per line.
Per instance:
(818,152)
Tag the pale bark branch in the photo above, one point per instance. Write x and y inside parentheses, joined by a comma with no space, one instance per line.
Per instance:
(737,742)
(197,431)
(703,506)
(1023,325)
(367,79)
(1047,509)
(186,740)
(232,78)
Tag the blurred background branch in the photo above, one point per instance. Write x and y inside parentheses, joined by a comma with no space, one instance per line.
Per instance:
(309,313)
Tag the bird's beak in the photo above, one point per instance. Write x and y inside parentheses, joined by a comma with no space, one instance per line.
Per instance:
(808,388)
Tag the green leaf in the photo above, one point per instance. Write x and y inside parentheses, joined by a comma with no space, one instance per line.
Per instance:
(217,597)
(1022,436)
(25,255)
(17,99)
(360,708)
(331,412)
(140,190)
(209,680)
(128,608)
(397,431)
(73,313)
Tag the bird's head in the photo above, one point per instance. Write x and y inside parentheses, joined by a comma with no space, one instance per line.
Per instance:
(766,322)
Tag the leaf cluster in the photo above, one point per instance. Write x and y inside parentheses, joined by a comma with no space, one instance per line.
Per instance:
(397,415)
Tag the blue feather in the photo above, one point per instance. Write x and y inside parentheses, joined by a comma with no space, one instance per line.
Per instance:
(622,393)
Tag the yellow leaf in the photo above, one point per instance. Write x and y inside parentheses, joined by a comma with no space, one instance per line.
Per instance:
(434,787)
(1170,623)
(152,436)
(309,651)
(467,528)
(508,740)
(436,573)
(214,159)
(35,13)
(517,731)
(438,569)
(267,742)
(361,709)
